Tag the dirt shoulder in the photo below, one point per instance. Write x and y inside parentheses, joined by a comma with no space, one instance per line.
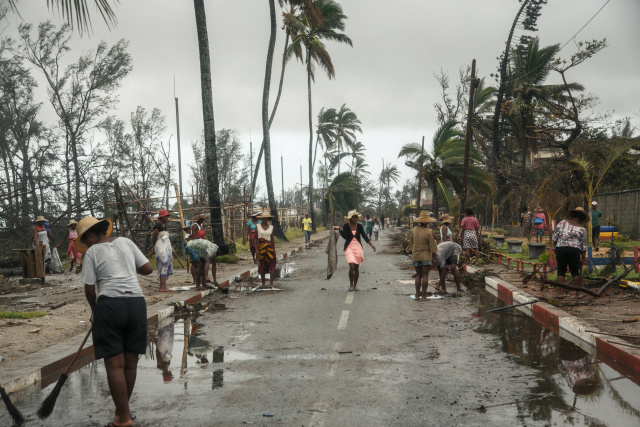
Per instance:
(605,313)
(20,337)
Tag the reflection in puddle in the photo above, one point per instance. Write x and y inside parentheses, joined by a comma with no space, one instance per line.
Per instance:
(576,387)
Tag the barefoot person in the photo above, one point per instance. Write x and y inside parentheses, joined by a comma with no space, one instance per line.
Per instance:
(447,259)
(570,242)
(266,248)
(119,310)
(251,227)
(470,233)
(423,252)
(161,246)
(74,257)
(203,253)
(352,232)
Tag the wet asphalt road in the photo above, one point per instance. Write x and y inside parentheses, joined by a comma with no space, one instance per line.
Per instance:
(309,356)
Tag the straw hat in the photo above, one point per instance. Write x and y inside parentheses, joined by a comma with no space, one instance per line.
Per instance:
(585,216)
(265,215)
(254,214)
(86,223)
(351,214)
(424,218)
(539,209)
(71,222)
(39,219)
(199,216)
(446,219)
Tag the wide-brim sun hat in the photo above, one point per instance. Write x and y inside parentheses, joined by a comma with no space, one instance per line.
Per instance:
(255,214)
(72,222)
(425,218)
(351,214)
(40,218)
(199,216)
(594,203)
(580,210)
(86,223)
(265,215)
(446,219)
(539,210)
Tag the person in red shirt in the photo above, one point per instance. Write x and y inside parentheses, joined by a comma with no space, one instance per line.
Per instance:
(470,234)
(539,224)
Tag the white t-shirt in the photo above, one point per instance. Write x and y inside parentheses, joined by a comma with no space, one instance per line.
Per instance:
(112,267)
(265,234)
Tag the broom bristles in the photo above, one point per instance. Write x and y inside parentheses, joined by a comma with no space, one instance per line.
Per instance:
(16,415)
(46,408)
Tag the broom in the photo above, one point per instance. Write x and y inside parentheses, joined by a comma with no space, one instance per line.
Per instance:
(16,415)
(46,408)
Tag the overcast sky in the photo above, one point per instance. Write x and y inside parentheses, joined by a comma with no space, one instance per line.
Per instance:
(386,78)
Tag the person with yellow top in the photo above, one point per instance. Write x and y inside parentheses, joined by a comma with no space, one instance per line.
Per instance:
(423,249)
(306,222)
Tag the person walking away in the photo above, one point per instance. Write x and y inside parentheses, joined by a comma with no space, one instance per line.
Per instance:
(595,225)
(382,221)
(570,242)
(368,226)
(161,246)
(266,248)
(197,229)
(74,257)
(470,234)
(445,229)
(306,225)
(42,235)
(119,312)
(376,228)
(423,253)
(525,221)
(352,232)
(447,259)
(252,233)
(539,224)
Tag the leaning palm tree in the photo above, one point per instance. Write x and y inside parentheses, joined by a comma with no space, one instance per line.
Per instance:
(442,166)
(347,124)
(308,47)
(325,130)
(389,173)
(342,194)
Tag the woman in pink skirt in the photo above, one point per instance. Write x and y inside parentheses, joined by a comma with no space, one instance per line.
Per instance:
(353,250)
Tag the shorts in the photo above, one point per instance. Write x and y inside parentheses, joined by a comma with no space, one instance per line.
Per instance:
(427,263)
(595,233)
(193,255)
(119,326)
(452,260)
(538,232)
(566,256)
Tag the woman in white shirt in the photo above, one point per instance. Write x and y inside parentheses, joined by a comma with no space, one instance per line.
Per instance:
(266,248)
(119,311)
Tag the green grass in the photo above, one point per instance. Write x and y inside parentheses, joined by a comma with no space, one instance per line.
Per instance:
(21,314)
(293,233)
(228,259)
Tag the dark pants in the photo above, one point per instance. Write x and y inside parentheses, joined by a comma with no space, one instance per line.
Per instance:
(568,257)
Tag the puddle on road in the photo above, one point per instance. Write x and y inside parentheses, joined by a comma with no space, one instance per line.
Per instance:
(573,387)
(283,271)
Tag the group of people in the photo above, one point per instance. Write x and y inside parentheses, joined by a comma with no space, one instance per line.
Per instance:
(537,221)
(372,226)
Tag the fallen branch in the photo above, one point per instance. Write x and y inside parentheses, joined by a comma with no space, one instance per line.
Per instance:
(614,335)
(570,287)
(615,279)
(635,319)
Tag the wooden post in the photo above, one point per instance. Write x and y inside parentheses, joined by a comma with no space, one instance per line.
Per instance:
(635,258)
(120,208)
(467,139)
(182,224)
(39,260)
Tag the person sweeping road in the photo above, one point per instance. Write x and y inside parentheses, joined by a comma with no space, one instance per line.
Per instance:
(447,259)
(352,232)
(119,310)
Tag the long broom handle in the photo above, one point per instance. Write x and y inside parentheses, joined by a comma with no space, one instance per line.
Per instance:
(78,352)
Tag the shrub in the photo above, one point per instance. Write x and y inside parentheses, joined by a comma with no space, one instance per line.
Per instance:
(228,259)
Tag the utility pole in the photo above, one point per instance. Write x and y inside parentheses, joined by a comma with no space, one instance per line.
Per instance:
(182,252)
(282,177)
(251,163)
(467,139)
(301,195)
(420,179)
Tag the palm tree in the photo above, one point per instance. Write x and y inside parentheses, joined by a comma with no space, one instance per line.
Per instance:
(347,124)
(442,167)
(531,67)
(342,194)
(325,131)
(211,160)
(389,173)
(308,39)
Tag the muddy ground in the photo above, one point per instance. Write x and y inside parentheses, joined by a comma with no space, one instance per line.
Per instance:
(605,313)
(20,337)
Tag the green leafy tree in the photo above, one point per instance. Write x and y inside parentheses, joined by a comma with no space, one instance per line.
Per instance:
(342,194)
